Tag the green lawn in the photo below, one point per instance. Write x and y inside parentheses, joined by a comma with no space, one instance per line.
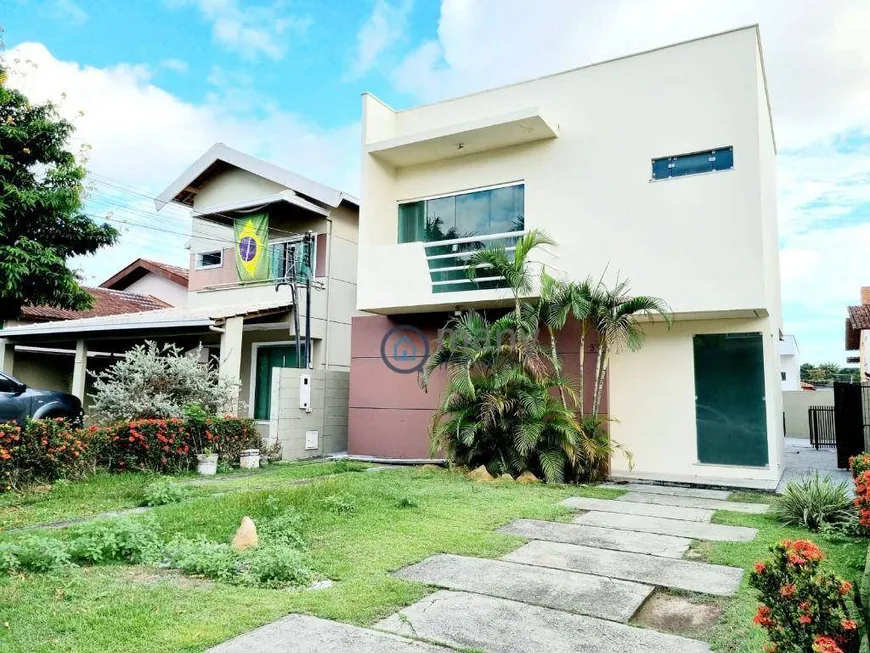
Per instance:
(103,491)
(399,517)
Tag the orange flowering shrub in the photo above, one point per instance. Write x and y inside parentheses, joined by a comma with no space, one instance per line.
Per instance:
(802,608)
(860,467)
(43,449)
(171,445)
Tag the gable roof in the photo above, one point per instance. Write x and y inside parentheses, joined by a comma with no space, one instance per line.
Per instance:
(139,268)
(106,302)
(218,157)
(858,320)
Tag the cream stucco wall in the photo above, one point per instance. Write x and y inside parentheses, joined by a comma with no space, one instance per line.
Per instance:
(706,243)
(652,400)
(163,289)
(796,404)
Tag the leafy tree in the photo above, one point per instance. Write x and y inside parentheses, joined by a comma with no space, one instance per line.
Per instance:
(41,221)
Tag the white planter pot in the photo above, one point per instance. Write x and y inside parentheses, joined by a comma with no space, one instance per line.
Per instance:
(250,459)
(207,465)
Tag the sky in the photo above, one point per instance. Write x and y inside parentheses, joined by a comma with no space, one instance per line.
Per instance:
(151,84)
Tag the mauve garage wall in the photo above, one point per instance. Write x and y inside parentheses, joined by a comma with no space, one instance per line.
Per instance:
(389,413)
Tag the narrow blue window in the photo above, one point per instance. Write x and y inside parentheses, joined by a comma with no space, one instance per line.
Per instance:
(693,164)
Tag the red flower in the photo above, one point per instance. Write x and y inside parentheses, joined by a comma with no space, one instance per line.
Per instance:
(760,567)
(762,617)
(787,591)
(825,644)
(845,587)
(849,624)
(805,619)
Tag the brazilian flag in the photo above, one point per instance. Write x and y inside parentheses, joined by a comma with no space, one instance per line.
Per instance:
(252,247)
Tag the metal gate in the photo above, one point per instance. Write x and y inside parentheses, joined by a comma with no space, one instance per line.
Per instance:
(822,430)
(851,419)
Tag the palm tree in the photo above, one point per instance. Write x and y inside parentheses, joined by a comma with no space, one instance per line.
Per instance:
(614,315)
(514,268)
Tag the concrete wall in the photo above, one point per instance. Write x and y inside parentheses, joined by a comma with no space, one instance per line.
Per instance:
(590,187)
(652,400)
(796,406)
(44,370)
(328,414)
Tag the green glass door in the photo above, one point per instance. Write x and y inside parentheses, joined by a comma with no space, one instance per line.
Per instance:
(729,402)
(268,358)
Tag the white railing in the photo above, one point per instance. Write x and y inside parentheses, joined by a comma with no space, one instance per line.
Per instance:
(461,255)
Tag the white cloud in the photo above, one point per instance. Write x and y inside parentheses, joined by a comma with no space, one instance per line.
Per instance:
(818,66)
(250,30)
(816,53)
(67,11)
(175,65)
(141,136)
(385,27)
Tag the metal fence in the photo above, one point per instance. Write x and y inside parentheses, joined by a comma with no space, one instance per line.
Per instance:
(823,432)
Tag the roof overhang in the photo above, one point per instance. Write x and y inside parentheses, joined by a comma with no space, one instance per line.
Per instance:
(471,137)
(249,205)
(219,155)
(138,269)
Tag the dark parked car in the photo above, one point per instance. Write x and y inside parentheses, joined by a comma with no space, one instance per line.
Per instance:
(18,402)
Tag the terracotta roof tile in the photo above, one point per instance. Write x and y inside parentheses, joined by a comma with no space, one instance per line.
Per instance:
(106,302)
(140,267)
(859,316)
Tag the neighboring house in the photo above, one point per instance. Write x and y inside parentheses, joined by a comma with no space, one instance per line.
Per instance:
(168,283)
(51,368)
(790,363)
(250,218)
(659,167)
(858,333)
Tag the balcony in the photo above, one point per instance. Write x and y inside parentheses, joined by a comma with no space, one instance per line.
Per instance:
(448,262)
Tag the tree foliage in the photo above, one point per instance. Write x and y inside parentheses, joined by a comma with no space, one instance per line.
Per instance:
(41,220)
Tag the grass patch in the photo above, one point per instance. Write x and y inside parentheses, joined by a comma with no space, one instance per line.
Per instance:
(398,517)
(735,632)
(104,492)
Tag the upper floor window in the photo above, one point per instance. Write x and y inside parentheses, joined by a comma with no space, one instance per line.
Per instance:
(206,260)
(478,213)
(693,164)
(288,258)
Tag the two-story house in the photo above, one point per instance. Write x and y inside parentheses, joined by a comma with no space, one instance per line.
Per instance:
(659,167)
(258,230)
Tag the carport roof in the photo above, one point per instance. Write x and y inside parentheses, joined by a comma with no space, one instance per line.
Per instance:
(169,318)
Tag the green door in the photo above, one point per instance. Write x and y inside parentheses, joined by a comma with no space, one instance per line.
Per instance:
(729,399)
(268,358)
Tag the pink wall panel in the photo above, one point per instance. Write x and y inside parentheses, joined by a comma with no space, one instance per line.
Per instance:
(389,412)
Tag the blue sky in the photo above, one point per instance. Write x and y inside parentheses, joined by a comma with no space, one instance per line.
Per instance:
(152,83)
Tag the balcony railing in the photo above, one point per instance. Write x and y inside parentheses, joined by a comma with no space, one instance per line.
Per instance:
(448,262)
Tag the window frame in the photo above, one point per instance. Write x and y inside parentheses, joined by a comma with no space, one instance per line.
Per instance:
(296,239)
(708,152)
(198,265)
(457,193)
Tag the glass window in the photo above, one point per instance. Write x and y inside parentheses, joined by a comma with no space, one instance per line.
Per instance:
(213,259)
(8,384)
(692,164)
(480,213)
(283,254)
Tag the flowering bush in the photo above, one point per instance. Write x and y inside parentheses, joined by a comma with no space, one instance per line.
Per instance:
(153,382)
(802,608)
(860,467)
(42,450)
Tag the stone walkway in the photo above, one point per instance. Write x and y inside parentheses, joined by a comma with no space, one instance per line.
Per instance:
(802,458)
(572,588)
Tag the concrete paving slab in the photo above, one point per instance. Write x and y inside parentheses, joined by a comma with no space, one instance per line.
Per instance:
(670,490)
(303,634)
(664,572)
(693,530)
(594,596)
(695,502)
(647,509)
(483,623)
(604,538)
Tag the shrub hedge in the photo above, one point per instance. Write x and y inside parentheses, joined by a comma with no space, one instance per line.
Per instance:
(46,450)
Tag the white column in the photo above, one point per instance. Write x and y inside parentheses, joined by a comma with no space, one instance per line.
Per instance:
(7,356)
(80,370)
(231,352)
